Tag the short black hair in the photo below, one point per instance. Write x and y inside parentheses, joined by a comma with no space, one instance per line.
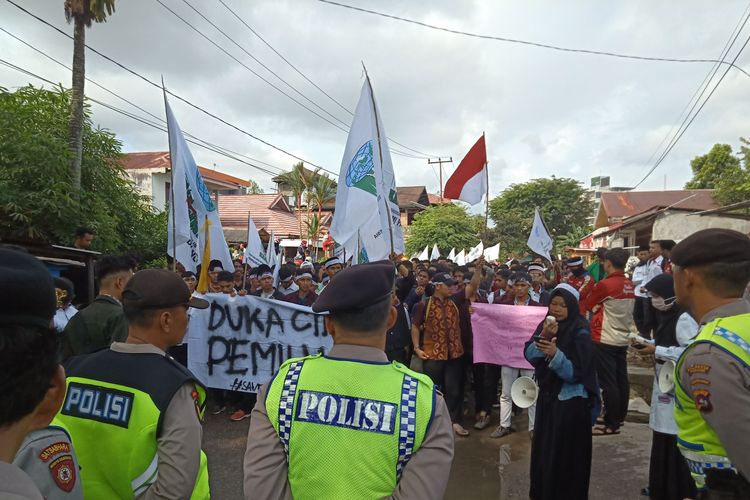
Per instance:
(667,244)
(601,253)
(29,359)
(461,269)
(643,248)
(618,257)
(82,231)
(368,319)
(139,316)
(225,276)
(505,274)
(658,242)
(725,279)
(112,264)
(214,263)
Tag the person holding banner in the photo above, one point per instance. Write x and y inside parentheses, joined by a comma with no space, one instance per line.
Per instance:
(305,295)
(521,282)
(562,353)
(266,290)
(350,424)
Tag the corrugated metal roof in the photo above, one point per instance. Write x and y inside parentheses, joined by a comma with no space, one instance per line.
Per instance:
(630,203)
(269,212)
(160,159)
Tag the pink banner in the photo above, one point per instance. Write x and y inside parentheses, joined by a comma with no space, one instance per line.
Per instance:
(500,331)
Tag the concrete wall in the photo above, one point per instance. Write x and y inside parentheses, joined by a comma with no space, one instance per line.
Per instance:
(679,225)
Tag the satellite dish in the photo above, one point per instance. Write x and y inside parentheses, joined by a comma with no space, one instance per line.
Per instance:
(666,377)
(524,392)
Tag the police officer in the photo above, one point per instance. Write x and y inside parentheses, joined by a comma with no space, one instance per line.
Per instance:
(711,270)
(133,412)
(350,424)
(32,385)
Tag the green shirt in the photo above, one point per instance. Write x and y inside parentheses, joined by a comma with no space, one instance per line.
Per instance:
(95,327)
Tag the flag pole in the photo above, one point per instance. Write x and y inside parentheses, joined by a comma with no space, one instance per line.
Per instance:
(487,179)
(247,242)
(171,183)
(380,153)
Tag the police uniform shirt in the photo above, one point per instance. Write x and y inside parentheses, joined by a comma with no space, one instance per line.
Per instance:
(16,485)
(179,444)
(48,457)
(424,477)
(724,383)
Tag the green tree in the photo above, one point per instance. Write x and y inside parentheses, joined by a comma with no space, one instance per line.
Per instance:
(562,202)
(449,225)
(82,13)
(37,199)
(711,168)
(254,188)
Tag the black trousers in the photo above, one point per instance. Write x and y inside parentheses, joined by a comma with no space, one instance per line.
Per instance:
(487,395)
(612,370)
(639,316)
(450,378)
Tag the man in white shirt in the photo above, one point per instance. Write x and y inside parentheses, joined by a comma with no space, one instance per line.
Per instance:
(641,296)
(286,281)
(653,269)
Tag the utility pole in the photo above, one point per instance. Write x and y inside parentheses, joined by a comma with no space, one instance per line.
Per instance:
(440,162)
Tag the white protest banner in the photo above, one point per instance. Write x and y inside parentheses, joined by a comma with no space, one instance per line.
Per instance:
(239,343)
(254,253)
(500,332)
(475,253)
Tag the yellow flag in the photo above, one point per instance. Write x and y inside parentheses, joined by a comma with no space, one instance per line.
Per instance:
(206,261)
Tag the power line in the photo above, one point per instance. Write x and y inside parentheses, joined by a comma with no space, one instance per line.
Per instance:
(687,125)
(131,103)
(176,96)
(190,138)
(530,43)
(303,75)
(703,86)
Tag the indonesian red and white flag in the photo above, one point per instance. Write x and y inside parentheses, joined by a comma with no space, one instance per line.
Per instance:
(469,182)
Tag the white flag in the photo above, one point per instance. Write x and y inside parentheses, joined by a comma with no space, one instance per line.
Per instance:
(192,203)
(475,252)
(254,253)
(358,196)
(492,253)
(425,255)
(461,258)
(270,250)
(539,239)
(452,255)
(435,255)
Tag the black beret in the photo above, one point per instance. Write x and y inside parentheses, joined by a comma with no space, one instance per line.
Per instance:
(710,246)
(662,285)
(27,291)
(357,287)
(158,289)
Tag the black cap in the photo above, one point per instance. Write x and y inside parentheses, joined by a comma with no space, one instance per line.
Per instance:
(710,246)
(443,278)
(158,289)
(66,285)
(357,287)
(662,285)
(27,292)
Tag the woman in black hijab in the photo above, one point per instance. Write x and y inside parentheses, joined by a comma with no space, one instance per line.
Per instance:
(562,354)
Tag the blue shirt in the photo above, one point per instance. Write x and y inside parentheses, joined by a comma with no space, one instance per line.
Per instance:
(563,368)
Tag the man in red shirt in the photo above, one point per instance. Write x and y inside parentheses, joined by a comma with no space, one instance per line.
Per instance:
(611,303)
(305,296)
(579,278)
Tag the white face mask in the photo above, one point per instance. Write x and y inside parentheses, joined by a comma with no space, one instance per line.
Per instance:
(662,305)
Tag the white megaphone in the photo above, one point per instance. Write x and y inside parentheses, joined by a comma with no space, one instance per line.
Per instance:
(666,377)
(524,392)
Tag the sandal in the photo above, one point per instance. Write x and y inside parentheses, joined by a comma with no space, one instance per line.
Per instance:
(603,430)
(459,430)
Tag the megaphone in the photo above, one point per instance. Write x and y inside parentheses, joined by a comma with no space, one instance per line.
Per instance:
(524,392)
(666,377)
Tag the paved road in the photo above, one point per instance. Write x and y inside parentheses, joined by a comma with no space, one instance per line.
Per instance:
(620,467)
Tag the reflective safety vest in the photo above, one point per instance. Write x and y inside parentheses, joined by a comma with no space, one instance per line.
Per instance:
(696,439)
(113,409)
(348,427)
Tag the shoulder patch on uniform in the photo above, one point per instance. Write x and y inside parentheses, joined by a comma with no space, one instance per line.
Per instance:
(703,400)
(103,404)
(349,412)
(54,449)
(698,368)
(700,381)
(63,470)
(197,402)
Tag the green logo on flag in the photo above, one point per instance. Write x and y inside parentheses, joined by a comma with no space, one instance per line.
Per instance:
(361,172)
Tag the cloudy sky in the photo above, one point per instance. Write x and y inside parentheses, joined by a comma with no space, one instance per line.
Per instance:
(544,112)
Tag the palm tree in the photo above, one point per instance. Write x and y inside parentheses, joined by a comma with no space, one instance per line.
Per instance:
(295,182)
(322,191)
(83,13)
